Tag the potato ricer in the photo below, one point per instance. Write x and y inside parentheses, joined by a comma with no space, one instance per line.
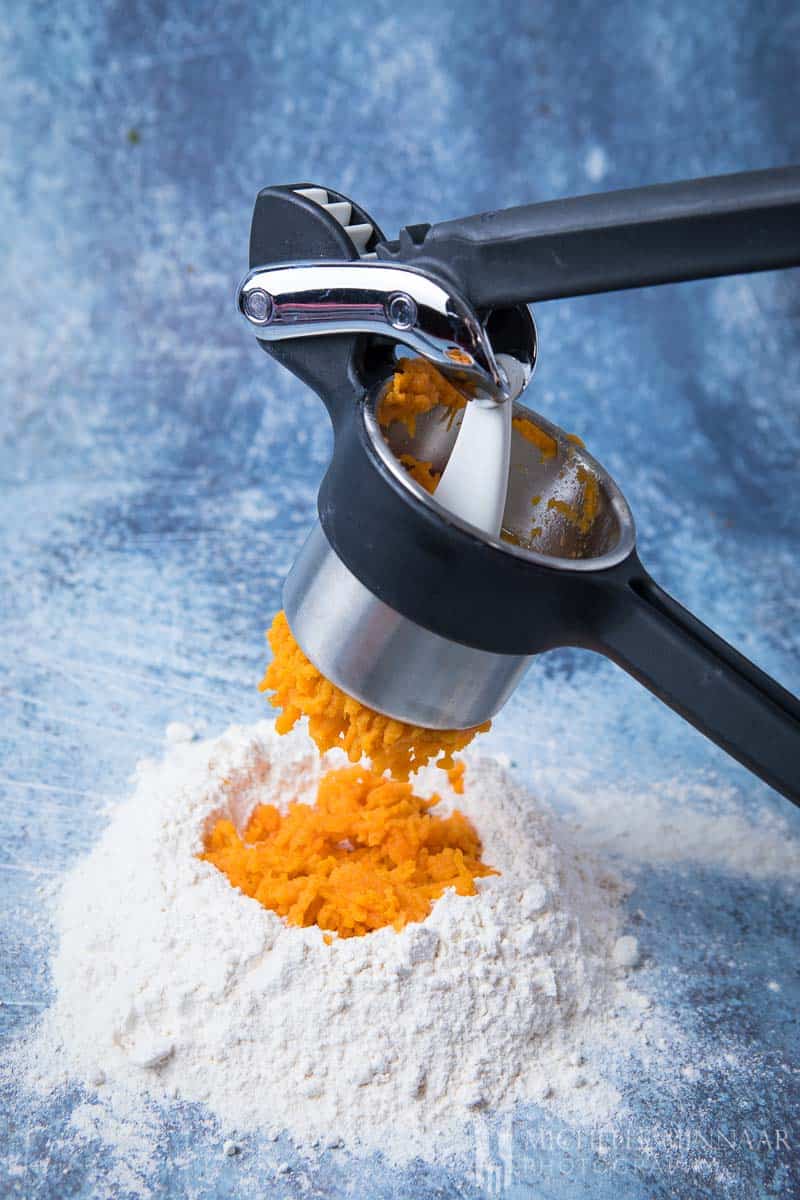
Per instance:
(430,607)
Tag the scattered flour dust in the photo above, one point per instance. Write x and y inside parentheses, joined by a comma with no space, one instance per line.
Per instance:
(170,983)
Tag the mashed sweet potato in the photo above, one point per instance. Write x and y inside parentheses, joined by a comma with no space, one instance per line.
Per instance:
(368,853)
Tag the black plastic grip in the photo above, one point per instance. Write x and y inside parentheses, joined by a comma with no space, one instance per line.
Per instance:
(723,225)
(708,683)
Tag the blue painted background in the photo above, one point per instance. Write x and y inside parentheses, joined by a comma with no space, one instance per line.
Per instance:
(157,472)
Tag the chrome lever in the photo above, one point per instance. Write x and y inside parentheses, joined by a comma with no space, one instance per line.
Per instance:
(309,299)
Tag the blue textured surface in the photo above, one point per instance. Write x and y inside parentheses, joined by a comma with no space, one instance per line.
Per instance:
(158,473)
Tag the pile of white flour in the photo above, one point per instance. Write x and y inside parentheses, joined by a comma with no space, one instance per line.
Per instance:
(171,983)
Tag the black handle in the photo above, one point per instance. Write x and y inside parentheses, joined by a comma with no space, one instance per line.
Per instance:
(700,228)
(707,682)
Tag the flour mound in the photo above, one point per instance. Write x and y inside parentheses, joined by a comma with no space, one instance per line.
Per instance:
(170,983)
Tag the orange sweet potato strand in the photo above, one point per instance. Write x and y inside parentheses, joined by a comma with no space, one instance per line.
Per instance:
(337,720)
(456,777)
(369,853)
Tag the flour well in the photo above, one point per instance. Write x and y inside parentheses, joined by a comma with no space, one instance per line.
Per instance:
(170,983)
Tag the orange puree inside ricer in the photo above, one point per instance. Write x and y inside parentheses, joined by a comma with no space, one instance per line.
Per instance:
(416,388)
(582,517)
(424,472)
(546,444)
